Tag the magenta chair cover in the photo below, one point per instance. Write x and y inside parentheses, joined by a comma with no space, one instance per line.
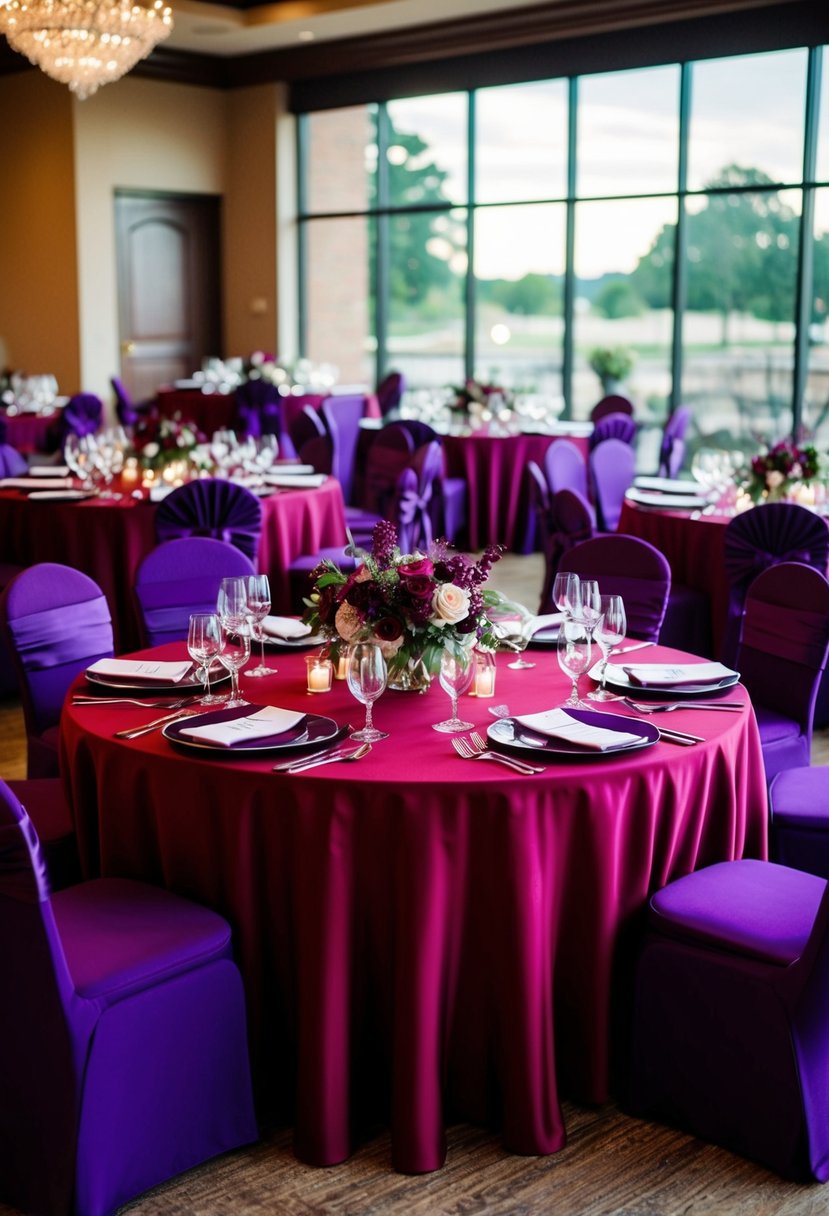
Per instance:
(57,623)
(614,403)
(342,417)
(731,1011)
(215,508)
(390,392)
(413,497)
(612,467)
(781,657)
(12,463)
(82,415)
(630,567)
(762,537)
(613,426)
(566,469)
(799,808)
(181,577)
(124,1050)
(672,448)
(306,424)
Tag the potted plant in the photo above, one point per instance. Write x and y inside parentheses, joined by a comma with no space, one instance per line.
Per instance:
(612,364)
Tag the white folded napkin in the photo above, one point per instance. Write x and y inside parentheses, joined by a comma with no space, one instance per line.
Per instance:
(49,470)
(558,724)
(60,495)
(288,470)
(674,675)
(36,483)
(261,724)
(544,622)
(286,628)
(301,481)
(144,671)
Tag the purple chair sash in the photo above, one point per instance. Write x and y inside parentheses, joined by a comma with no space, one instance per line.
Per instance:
(613,426)
(214,508)
(413,518)
(12,464)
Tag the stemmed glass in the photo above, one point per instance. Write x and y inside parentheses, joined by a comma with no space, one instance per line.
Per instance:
(366,676)
(457,669)
(79,454)
(232,606)
(609,632)
(566,593)
(259,605)
(573,651)
(513,628)
(591,604)
(204,641)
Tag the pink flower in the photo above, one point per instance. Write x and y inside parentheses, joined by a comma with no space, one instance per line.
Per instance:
(415,569)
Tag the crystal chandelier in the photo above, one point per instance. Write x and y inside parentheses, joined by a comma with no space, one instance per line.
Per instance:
(84,43)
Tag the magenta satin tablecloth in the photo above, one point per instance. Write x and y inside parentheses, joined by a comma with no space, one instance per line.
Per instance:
(108,538)
(27,432)
(213,411)
(422,939)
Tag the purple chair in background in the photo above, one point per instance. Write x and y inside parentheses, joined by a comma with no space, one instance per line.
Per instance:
(3,429)
(180,577)
(215,508)
(391,450)
(390,392)
(259,412)
(611,469)
(306,424)
(781,657)
(799,809)
(762,537)
(449,498)
(129,412)
(730,1014)
(342,418)
(613,426)
(82,415)
(672,448)
(125,1057)
(46,806)
(613,403)
(540,525)
(57,622)
(632,568)
(12,463)
(413,498)
(566,469)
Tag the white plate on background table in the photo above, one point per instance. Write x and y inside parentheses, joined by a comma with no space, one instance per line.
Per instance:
(618,680)
(309,734)
(190,683)
(507,735)
(306,643)
(667,502)
(667,485)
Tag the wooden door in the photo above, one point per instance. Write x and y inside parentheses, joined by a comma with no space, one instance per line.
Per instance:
(169,287)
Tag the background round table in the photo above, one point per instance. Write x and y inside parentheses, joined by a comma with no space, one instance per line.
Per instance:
(422,938)
(28,432)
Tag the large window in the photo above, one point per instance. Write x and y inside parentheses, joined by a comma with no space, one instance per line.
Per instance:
(676,215)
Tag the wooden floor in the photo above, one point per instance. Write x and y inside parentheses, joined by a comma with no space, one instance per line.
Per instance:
(612,1166)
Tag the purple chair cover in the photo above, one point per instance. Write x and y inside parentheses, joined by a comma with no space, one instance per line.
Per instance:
(731,1010)
(180,577)
(259,412)
(46,806)
(3,429)
(672,448)
(123,1029)
(566,469)
(391,450)
(614,403)
(762,537)
(612,467)
(630,567)
(420,432)
(390,392)
(212,507)
(302,567)
(82,415)
(57,622)
(613,426)
(306,424)
(540,525)
(781,657)
(799,808)
(342,417)
(12,463)
(319,452)
(415,487)
(129,412)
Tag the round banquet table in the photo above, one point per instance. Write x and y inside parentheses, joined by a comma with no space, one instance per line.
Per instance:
(214,411)
(28,432)
(422,938)
(108,538)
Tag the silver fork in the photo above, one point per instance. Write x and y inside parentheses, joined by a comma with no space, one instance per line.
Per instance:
(651,708)
(159,703)
(156,724)
(468,750)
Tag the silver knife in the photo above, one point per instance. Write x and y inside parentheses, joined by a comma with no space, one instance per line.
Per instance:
(331,758)
(634,646)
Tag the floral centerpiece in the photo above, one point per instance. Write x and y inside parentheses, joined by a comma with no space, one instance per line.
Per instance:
(473,393)
(157,442)
(781,471)
(412,605)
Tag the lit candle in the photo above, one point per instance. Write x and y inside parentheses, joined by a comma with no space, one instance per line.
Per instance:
(484,674)
(129,473)
(342,666)
(320,672)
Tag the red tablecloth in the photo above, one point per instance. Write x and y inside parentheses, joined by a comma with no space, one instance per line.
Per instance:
(108,538)
(422,939)
(27,432)
(212,411)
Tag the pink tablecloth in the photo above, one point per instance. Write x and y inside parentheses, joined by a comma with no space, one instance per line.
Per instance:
(27,432)
(107,539)
(212,411)
(422,939)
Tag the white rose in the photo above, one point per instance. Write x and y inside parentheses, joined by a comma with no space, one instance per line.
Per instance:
(348,622)
(450,604)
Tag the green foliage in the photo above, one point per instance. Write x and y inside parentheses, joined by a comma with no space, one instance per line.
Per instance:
(611,363)
(534,295)
(619,298)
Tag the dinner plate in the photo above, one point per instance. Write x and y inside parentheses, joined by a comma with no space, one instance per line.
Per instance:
(310,733)
(306,643)
(667,485)
(544,639)
(617,680)
(507,735)
(667,502)
(191,683)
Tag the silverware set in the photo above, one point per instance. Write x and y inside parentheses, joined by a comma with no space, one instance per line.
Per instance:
(330,757)
(156,724)
(667,707)
(156,703)
(474,748)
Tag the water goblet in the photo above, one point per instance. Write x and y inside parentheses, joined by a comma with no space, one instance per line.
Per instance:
(512,623)
(457,670)
(232,601)
(259,605)
(591,602)
(366,677)
(234,653)
(566,593)
(608,633)
(573,651)
(204,641)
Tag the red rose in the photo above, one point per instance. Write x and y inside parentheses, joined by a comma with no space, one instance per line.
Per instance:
(420,586)
(388,629)
(417,568)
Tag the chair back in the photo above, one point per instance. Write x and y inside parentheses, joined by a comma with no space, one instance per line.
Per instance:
(258,409)
(413,496)
(181,577)
(762,537)
(318,452)
(613,403)
(565,467)
(3,429)
(612,467)
(306,424)
(613,426)
(420,432)
(784,640)
(12,463)
(390,392)
(57,622)
(342,418)
(390,451)
(672,447)
(215,508)
(632,568)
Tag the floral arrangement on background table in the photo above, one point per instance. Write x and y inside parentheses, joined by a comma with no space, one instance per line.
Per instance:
(300,375)
(412,605)
(157,442)
(781,471)
(472,394)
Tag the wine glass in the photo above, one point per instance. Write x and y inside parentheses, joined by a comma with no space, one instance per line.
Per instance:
(232,602)
(366,676)
(609,632)
(591,604)
(234,653)
(573,651)
(204,641)
(457,670)
(259,605)
(513,624)
(78,453)
(566,593)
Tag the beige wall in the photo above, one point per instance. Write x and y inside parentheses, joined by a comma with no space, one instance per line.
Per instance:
(39,311)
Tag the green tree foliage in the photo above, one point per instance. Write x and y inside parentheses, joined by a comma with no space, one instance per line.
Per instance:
(619,298)
(533,295)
